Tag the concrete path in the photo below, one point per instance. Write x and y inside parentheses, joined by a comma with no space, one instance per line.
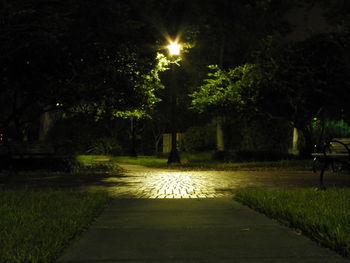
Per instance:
(191,230)
(194,220)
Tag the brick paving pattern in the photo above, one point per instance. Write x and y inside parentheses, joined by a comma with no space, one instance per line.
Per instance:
(143,182)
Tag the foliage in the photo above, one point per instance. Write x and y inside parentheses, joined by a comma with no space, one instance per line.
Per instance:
(105,146)
(290,81)
(99,58)
(227,90)
(322,215)
(73,54)
(79,134)
(252,156)
(303,80)
(337,12)
(337,129)
(234,94)
(259,156)
(199,138)
(127,93)
(262,134)
(228,39)
(150,82)
(73,135)
(324,130)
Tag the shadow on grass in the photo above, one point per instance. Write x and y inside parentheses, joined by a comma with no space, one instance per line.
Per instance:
(61,180)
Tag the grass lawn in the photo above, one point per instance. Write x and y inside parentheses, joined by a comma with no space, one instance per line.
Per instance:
(200,161)
(35,226)
(322,215)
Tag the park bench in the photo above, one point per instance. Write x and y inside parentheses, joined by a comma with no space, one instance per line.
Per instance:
(335,154)
(28,156)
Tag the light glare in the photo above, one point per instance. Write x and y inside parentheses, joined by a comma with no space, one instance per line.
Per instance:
(174,48)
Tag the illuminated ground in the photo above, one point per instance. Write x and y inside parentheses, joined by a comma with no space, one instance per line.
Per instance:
(169,216)
(143,182)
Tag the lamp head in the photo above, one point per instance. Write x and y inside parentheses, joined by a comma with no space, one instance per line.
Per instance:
(174,48)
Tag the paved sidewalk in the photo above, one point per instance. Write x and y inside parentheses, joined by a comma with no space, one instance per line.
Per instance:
(144,182)
(191,230)
(176,216)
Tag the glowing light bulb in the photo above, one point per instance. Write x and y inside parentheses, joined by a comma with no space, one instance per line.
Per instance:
(174,48)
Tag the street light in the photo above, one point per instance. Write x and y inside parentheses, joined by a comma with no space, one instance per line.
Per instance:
(174,50)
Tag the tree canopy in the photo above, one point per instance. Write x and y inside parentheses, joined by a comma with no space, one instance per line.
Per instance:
(100,58)
(227,91)
(75,53)
(292,81)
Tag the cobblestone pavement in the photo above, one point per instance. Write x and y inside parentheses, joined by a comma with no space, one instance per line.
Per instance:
(144,182)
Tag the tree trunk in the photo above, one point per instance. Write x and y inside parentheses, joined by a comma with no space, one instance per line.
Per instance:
(156,145)
(46,123)
(295,141)
(220,144)
(133,152)
(156,148)
(307,147)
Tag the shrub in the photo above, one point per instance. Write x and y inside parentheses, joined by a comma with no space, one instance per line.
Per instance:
(199,138)
(105,146)
(221,156)
(72,136)
(246,156)
(250,156)
(259,135)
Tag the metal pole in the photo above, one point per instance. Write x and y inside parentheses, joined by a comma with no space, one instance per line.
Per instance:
(174,155)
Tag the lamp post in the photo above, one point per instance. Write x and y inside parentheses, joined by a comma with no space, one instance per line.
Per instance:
(174,50)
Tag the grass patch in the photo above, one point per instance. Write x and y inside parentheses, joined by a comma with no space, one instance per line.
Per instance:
(283,164)
(85,171)
(142,160)
(88,160)
(201,161)
(35,226)
(322,215)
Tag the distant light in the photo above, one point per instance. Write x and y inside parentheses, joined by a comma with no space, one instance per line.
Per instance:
(315,119)
(57,104)
(174,48)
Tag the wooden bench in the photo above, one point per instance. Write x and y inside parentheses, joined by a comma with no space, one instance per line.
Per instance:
(28,155)
(335,154)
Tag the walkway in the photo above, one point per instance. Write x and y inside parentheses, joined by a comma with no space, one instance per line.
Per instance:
(195,229)
(191,230)
(144,182)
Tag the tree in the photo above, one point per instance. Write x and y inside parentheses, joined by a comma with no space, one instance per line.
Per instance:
(228,40)
(70,53)
(228,93)
(304,80)
(226,90)
(33,71)
(151,84)
(292,81)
